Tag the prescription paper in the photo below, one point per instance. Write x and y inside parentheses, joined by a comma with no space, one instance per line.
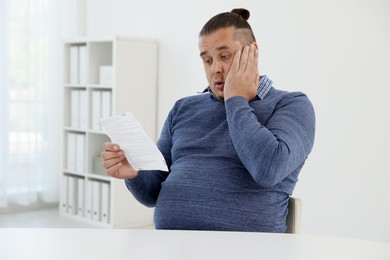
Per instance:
(140,151)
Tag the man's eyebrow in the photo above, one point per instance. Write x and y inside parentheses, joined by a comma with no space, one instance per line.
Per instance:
(223,47)
(203,53)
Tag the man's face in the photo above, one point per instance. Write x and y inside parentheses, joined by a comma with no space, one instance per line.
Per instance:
(217,52)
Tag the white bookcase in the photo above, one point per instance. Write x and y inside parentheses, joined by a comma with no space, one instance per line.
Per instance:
(104,77)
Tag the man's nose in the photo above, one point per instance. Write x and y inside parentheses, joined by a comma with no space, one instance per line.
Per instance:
(216,67)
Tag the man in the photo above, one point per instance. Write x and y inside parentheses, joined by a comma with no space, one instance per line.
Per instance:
(234,152)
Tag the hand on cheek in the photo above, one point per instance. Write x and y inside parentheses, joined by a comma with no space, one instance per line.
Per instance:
(243,76)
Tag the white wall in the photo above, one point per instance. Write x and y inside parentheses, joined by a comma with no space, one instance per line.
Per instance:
(335,51)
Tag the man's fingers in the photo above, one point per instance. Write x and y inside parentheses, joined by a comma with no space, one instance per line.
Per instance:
(113,170)
(107,155)
(251,58)
(255,66)
(107,164)
(236,62)
(107,146)
(245,58)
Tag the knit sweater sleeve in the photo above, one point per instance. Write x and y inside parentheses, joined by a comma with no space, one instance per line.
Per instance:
(146,186)
(272,151)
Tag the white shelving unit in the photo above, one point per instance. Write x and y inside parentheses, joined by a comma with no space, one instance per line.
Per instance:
(87,193)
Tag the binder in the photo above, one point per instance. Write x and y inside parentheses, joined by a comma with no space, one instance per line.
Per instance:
(80,152)
(63,196)
(106,104)
(74,65)
(88,200)
(105,187)
(82,59)
(83,109)
(74,108)
(72,195)
(96,109)
(106,75)
(71,152)
(96,201)
(80,197)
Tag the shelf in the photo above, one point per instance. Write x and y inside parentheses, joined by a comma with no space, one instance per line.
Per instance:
(98,132)
(97,86)
(75,86)
(87,193)
(80,130)
(92,86)
(98,176)
(74,129)
(78,174)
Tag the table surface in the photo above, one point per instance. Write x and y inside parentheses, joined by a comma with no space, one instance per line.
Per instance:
(117,244)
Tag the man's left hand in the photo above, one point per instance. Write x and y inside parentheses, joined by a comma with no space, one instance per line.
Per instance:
(243,76)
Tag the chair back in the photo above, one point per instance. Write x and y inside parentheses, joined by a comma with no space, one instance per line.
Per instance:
(294,215)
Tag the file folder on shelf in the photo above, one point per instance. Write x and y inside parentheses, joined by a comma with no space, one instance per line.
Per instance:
(96,201)
(80,153)
(105,188)
(82,64)
(83,109)
(71,152)
(96,109)
(64,194)
(72,185)
(80,197)
(106,104)
(74,65)
(88,200)
(75,108)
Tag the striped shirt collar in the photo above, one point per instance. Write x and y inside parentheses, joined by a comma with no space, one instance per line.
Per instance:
(265,85)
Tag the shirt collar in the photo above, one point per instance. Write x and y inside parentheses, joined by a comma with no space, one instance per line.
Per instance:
(265,85)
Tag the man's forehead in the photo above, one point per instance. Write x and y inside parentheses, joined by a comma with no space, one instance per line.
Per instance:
(222,39)
(217,48)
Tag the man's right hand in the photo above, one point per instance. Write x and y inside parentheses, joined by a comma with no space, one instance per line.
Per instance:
(115,162)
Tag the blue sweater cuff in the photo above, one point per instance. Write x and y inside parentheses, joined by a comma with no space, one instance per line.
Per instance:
(235,102)
(135,182)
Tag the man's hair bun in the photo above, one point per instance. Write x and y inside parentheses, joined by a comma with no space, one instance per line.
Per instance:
(236,18)
(241,12)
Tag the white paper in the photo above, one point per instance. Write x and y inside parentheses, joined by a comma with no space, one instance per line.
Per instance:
(139,149)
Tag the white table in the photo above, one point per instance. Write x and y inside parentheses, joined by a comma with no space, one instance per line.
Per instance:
(118,244)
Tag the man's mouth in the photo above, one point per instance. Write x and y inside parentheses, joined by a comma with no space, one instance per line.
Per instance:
(219,85)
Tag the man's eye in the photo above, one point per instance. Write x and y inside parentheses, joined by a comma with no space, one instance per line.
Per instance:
(225,57)
(208,62)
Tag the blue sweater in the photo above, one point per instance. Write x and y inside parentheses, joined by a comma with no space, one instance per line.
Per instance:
(232,164)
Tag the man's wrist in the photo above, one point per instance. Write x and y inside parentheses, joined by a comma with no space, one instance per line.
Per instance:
(235,101)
